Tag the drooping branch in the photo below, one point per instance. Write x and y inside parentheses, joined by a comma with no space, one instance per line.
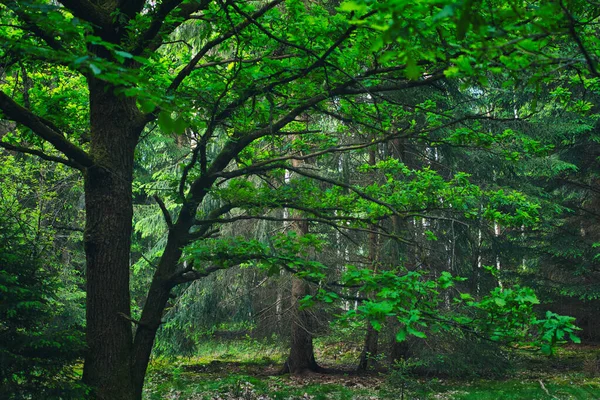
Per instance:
(33,27)
(38,125)
(40,154)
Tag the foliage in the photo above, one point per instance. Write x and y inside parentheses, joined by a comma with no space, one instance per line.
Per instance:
(41,338)
(354,130)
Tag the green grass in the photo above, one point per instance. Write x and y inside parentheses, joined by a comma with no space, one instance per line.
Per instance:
(238,386)
(522,390)
(247,370)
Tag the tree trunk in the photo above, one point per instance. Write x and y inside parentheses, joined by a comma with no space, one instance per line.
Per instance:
(157,298)
(369,350)
(301,357)
(109,211)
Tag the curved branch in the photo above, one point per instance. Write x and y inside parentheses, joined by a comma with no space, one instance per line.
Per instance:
(181,11)
(215,42)
(164,210)
(31,26)
(42,128)
(40,154)
(88,11)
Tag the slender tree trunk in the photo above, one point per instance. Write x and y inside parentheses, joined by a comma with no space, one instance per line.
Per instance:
(156,301)
(370,349)
(302,356)
(370,345)
(109,211)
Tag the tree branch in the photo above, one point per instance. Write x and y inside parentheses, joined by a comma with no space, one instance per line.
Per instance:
(40,154)
(31,26)
(215,42)
(41,128)
(88,11)
(151,38)
(164,210)
(189,274)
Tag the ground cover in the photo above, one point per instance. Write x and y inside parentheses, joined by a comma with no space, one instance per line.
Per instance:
(248,370)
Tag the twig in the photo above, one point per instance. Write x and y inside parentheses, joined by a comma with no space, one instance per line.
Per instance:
(546,390)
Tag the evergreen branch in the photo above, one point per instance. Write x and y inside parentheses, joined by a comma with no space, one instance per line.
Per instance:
(180,10)
(215,42)
(44,130)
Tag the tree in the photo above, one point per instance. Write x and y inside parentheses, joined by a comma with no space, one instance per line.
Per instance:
(41,333)
(233,77)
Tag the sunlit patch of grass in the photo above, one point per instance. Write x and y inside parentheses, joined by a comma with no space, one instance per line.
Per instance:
(247,350)
(520,390)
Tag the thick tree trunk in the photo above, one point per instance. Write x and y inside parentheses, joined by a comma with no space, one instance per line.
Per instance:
(109,211)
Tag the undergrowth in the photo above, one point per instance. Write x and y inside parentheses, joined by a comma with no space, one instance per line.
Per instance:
(247,370)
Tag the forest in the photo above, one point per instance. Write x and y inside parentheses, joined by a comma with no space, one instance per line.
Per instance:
(299,199)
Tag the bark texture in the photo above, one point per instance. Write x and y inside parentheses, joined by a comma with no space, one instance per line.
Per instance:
(109,211)
(302,356)
(370,345)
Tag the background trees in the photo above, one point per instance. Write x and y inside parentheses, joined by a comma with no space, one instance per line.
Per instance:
(213,113)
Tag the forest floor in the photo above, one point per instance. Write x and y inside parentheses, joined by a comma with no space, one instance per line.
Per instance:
(248,370)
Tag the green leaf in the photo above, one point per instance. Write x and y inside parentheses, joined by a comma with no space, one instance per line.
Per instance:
(179,125)
(546,349)
(415,332)
(95,69)
(165,122)
(499,302)
(413,71)
(401,335)
(574,338)
(146,106)
(123,54)
(446,12)
(350,6)
(376,325)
